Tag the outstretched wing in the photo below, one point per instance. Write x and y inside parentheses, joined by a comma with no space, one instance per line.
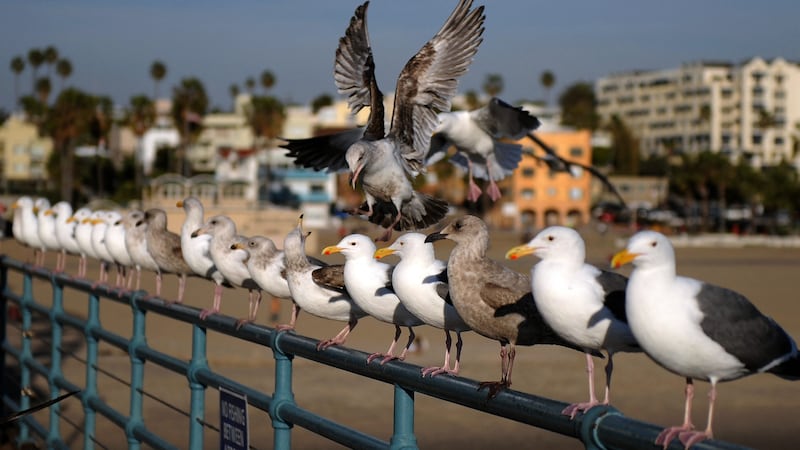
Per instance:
(502,120)
(323,152)
(354,73)
(429,80)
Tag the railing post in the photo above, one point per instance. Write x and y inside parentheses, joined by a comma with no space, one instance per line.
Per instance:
(282,439)
(197,414)
(403,434)
(90,390)
(25,355)
(54,434)
(139,339)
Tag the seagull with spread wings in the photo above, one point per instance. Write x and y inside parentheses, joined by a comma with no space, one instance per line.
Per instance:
(386,164)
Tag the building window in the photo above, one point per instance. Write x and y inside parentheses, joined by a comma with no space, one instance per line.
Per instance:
(19,150)
(551,192)
(779,140)
(756,139)
(527,194)
(20,168)
(575,193)
(576,152)
(317,188)
(528,172)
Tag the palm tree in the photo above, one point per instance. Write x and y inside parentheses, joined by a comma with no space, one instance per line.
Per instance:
(266,115)
(64,70)
(267,80)
(50,58)
(233,89)
(17,66)
(35,59)
(250,84)
(158,70)
(493,85)
(70,118)
(320,102)
(43,89)
(189,104)
(472,100)
(548,79)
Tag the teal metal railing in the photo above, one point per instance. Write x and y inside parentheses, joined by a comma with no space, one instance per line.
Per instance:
(600,428)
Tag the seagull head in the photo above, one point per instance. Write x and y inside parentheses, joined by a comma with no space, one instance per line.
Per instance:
(552,243)
(356,160)
(352,246)
(646,249)
(405,246)
(462,230)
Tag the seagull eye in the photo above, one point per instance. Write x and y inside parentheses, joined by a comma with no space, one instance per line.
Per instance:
(353,244)
(653,244)
(551,238)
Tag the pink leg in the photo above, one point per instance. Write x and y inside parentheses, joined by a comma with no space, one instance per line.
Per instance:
(158,283)
(573,409)
(433,371)
(181,287)
(138,277)
(254,300)
(668,434)
(292,321)
(506,364)
(689,438)
(494,191)
(474,192)
(217,302)
(339,338)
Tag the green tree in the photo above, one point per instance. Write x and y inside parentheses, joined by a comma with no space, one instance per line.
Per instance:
(43,89)
(472,100)
(17,67)
(266,116)
(626,147)
(50,58)
(267,80)
(158,70)
(493,85)
(189,104)
(547,79)
(578,106)
(35,59)
(320,102)
(68,124)
(250,85)
(64,70)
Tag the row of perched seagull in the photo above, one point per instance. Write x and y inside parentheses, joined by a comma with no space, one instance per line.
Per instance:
(689,327)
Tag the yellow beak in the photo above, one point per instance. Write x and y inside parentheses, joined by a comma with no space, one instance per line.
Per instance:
(520,251)
(622,258)
(330,250)
(238,245)
(381,252)
(179,204)
(49,212)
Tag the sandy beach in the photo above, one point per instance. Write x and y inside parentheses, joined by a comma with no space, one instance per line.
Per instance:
(751,411)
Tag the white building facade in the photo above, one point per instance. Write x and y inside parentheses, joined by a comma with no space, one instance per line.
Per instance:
(750,110)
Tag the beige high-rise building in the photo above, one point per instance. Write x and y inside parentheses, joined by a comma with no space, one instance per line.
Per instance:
(749,110)
(24,153)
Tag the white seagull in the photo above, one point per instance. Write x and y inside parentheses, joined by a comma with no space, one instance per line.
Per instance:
(385,163)
(115,244)
(136,244)
(267,267)
(369,283)
(698,330)
(583,304)
(46,222)
(420,282)
(230,262)
(318,289)
(476,136)
(65,233)
(78,218)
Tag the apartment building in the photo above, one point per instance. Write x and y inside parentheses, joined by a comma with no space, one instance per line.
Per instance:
(748,110)
(24,154)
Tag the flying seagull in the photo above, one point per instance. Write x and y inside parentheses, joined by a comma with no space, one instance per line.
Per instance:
(386,164)
(698,330)
(583,304)
(558,164)
(476,136)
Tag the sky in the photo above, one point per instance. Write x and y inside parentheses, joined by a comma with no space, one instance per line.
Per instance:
(112,44)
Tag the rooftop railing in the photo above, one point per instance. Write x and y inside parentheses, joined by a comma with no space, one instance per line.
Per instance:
(601,427)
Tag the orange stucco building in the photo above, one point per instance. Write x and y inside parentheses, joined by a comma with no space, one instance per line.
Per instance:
(542,197)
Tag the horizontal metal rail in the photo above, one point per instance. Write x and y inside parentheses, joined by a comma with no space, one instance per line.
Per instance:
(602,427)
